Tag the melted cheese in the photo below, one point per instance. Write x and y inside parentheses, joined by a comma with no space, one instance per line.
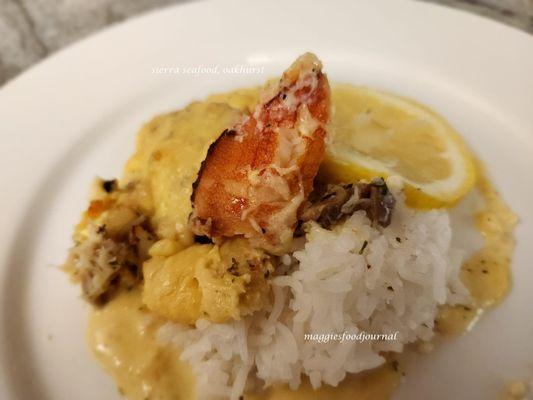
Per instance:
(188,286)
(170,149)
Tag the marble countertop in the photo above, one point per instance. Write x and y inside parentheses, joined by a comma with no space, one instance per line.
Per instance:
(32,29)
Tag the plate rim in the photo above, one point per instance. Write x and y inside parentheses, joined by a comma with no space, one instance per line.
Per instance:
(18,84)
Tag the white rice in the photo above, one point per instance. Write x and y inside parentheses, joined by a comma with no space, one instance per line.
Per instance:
(339,285)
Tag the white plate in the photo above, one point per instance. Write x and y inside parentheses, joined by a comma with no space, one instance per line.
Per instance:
(76,115)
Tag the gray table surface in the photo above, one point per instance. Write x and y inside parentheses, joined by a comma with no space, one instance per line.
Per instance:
(30,30)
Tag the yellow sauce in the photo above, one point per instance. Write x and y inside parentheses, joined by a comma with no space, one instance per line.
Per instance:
(170,149)
(487,273)
(121,335)
(377,384)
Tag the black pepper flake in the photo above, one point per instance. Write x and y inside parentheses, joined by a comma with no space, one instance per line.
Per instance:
(485,271)
(101,229)
(109,185)
(399,240)
(390,288)
(284,96)
(363,247)
(234,268)
(202,239)
(368,266)
(466,308)
(395,365)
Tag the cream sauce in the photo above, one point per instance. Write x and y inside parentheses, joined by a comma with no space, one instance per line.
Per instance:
(377,384)
(486,273)
(121,335)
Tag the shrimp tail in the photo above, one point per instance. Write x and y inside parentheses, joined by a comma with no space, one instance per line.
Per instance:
(257,174)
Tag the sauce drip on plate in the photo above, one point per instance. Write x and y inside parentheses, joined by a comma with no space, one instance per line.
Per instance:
(122,338)
(486,273)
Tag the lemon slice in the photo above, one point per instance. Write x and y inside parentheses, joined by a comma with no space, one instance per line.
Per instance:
(380,134)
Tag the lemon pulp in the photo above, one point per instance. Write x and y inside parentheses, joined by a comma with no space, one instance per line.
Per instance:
(380,134)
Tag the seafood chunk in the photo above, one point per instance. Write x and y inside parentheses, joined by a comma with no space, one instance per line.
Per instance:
(257,175)
(111,242)
(332,204)
(218,283)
